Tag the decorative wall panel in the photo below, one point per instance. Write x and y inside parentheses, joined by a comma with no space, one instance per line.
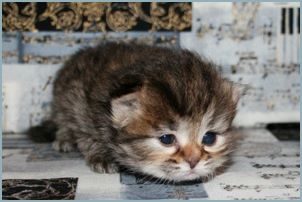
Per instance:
(101,17)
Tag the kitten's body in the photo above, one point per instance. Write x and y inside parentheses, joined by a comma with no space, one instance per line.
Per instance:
(114,101)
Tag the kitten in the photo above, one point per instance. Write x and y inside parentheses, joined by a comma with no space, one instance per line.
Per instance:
(158,111)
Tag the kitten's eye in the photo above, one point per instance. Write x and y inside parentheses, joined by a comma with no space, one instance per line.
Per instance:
(167,139)
(209,138)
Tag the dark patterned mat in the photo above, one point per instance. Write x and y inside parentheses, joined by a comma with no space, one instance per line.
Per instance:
(43,189)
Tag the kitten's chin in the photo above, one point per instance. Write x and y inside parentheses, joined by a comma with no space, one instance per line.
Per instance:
(176,176)
(188,177)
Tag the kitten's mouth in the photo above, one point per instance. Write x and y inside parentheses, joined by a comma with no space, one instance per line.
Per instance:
(191,175)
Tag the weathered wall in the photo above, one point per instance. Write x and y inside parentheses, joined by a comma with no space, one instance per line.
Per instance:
(256,44)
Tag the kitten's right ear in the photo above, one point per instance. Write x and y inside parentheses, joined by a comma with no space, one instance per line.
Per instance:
(125,109)
(239,90)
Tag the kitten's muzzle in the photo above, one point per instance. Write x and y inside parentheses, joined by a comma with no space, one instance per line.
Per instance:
(192,155)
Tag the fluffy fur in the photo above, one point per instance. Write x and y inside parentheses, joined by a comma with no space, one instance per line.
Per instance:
(114,101)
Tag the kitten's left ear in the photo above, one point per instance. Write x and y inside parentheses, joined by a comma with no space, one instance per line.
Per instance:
(125,109)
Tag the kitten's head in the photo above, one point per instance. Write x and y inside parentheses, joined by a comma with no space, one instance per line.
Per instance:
(174,124)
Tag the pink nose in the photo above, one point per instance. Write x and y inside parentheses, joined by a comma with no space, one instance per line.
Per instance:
(191,154)
(193,162)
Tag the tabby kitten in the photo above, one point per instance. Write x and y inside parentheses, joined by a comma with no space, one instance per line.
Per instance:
(158,111)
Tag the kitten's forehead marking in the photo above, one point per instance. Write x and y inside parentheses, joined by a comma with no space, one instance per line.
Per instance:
(182,133)
(210,122)
(187,132)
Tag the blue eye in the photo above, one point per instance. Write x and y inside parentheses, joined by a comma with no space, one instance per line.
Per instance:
(209,138)
(167,139)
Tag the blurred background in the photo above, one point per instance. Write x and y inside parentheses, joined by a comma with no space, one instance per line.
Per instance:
(252,43)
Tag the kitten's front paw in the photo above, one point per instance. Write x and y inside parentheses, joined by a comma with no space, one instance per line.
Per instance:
(112,168)
(62,146)
(103,167)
